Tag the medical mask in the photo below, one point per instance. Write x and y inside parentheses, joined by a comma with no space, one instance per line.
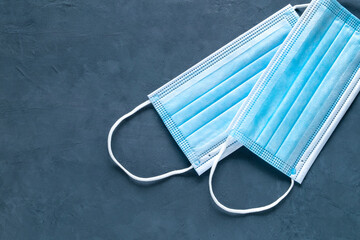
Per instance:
(198,106)
(302,95)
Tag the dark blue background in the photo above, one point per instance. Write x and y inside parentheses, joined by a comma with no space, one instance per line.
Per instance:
(69,69)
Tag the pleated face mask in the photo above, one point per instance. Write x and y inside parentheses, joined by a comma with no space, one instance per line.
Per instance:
(303,93)
(198,106)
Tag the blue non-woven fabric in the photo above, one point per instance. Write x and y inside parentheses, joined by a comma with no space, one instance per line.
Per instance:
(305,90)
(198,106)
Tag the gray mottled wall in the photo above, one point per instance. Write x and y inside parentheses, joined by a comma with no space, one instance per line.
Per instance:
(69,69)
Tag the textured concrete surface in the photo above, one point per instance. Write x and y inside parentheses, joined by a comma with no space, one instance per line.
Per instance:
(69,69)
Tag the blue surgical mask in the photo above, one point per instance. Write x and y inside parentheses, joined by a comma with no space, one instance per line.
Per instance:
(198,106)
(303,93)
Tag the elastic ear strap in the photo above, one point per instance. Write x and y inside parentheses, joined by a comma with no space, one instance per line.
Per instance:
(240,211)
(141,179)
(301,6)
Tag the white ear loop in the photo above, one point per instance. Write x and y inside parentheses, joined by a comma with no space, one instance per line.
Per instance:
(141,179)
(239,211)
(299,6)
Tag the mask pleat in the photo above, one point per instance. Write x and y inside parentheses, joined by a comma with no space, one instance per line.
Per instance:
(211,114)
(268,103)
(342,83)
(302,90)
(205,137)
(223,102)
(218,76)
(221,92)
(320,98)
(277,118)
